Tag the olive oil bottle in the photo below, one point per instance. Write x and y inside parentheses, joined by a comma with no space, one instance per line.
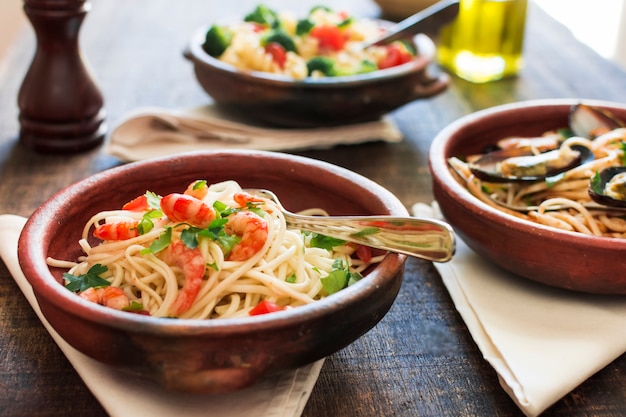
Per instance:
(484,42)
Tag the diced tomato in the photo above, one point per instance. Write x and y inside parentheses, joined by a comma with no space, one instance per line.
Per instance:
(265,307)
(343,14)
(258,27)
(364,253)
(330,38)
(278,53)
(137,204)
(396,55)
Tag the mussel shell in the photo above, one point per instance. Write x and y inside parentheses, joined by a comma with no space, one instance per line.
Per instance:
(605,176)
(485,167)
(585,119)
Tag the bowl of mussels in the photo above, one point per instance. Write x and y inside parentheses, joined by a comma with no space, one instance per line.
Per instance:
(539,188)
(316,69)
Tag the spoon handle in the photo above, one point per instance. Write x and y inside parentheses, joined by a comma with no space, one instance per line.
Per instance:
(426,239)
(426,21)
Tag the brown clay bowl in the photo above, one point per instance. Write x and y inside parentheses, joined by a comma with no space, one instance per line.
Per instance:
(209,355)
(279,100)
(557,258)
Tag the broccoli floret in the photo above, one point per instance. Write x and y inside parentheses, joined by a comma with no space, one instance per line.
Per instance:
(323,64)
(365,66)
(217,39)
(304,26)
(282,38)
(329,67)
(263,15)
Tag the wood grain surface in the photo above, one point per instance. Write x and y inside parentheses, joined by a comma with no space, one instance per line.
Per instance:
(420,360)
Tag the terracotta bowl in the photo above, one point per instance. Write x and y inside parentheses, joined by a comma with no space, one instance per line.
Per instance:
(557,258)
(282,101)
(209,355)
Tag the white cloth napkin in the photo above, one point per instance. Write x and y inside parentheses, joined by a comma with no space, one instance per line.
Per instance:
(153,132)
(281,394)
(543,342)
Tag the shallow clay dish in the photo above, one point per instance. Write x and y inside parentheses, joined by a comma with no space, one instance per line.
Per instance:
(557,258)
(209,355)
(279,100)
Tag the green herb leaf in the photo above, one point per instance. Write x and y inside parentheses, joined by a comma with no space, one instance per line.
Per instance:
(215,231)
(291,279)
(623,148)
(339,277)
(146,224)
(596,183)
(154,200)
(354,278)
(134,306)
(223,210)
(190,237)
(79,283)
(161,243)
(325,242)
(200,184)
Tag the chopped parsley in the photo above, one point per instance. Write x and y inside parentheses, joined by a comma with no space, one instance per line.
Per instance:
(596,183)
(215,231)
(339,277)
(160,243)
(79,283)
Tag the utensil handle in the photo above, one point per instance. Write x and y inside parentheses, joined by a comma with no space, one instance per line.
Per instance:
(426,239)
(426,21)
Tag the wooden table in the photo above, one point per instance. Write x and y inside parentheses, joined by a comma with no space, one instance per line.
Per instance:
(420,359)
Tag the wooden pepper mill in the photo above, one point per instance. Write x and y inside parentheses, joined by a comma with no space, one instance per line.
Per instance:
(61,107)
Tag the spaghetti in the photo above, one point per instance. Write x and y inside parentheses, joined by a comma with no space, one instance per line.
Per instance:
(212,252)
(568,192)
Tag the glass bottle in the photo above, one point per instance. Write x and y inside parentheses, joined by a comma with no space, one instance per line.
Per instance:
(485,41)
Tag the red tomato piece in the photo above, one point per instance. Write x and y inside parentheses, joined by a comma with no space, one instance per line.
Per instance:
(395,56)
(278,53)
(330,38)
(137,204)
(265,307)
(364,253)
(343,14)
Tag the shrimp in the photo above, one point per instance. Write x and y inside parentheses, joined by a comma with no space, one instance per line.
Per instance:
(188,209)
(112,297)
(197,189)
(243,198)
(137,204)
(193,265)
(253,231)
(117,231)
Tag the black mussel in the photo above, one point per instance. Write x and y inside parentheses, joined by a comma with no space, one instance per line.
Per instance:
(589,122)
(608,187)
(523,165)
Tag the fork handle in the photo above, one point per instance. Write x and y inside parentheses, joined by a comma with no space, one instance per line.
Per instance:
(426,239)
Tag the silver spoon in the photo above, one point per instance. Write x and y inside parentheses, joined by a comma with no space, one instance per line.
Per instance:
(426,239)
(426,21)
